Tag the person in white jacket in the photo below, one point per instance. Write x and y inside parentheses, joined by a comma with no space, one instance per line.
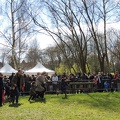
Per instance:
(55,82)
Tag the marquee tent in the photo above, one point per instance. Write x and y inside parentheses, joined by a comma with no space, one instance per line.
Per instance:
(7,70)
(39,68)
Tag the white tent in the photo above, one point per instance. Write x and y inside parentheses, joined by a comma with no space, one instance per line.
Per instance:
(7,70)
(39,68)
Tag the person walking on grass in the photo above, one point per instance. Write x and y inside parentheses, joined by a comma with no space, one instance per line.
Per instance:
(18,82)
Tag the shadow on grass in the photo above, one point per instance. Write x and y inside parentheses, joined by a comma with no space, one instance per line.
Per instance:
(15,105)
(109,101)
(64,97)
(38,100)
(106,101)
(113,94)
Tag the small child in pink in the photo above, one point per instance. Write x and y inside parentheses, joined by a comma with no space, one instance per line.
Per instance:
(3,97)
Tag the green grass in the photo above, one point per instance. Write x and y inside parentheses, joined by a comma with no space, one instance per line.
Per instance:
(92,106)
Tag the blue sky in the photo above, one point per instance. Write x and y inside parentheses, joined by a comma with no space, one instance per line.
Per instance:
(46,41)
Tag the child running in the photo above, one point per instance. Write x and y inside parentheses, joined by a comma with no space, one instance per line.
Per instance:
(32,91)
(12,94)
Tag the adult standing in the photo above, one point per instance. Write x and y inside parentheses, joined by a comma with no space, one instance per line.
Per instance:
(18,81)
(64,84)
(1,88)
(99,82)
(55,82)
(48,81)
(11,77)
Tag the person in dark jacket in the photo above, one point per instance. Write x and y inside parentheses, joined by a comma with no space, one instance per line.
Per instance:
(64,85)
(32,91)
(18,82)
(12,94)
(1,88)
(7,88)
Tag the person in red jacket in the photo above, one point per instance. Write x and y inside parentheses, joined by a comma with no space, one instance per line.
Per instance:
(116,75)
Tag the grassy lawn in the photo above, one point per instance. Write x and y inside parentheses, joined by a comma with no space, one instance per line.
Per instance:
(92,106)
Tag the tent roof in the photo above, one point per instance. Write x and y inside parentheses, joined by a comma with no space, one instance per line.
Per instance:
(7,69)
(39,68)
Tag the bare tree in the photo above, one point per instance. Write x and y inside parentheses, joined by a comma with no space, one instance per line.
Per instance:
(34,53)
(94,13)
(65,23)
(114,48)
(18,30)
(65,18)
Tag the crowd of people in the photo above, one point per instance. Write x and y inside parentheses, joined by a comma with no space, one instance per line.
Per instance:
(16,83)
(12,86)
